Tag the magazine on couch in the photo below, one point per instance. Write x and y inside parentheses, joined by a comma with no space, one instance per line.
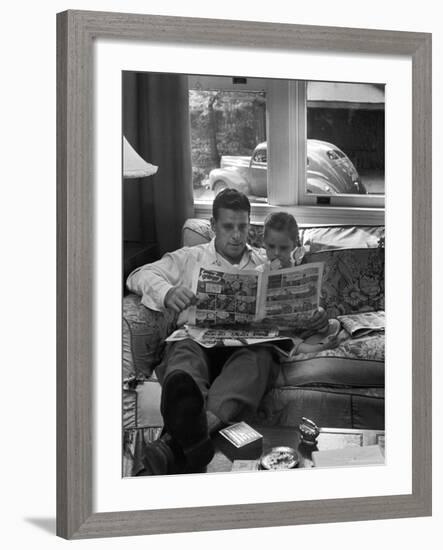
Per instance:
(246,307)
(363,324)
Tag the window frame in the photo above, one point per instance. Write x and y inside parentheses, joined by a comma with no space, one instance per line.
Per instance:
(286,122)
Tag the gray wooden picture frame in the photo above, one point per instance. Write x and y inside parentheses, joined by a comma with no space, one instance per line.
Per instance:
(76,32)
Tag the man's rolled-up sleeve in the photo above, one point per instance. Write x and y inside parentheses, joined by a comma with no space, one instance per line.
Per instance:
(153,281)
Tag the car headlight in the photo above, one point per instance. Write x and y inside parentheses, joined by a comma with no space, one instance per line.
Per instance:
(332,155)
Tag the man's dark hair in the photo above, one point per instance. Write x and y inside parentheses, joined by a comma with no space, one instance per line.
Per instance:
(285,223)
(231,199)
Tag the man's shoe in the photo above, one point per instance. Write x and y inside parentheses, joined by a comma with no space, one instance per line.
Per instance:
(183,410)
(159,458)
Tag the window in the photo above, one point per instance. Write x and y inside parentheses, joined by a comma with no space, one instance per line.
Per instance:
(352,117)
(289,143)
(226,127)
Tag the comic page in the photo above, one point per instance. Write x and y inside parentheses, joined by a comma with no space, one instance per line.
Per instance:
(291,295)
(279,299)
(225,298)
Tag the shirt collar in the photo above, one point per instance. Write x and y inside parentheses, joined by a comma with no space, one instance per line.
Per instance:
(249,256)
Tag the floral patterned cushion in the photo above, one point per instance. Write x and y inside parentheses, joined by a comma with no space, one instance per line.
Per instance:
(255,236)
(196,231)
(366,348)
(353,280)
(144,333)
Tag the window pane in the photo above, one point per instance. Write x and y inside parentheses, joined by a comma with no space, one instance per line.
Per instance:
(346,138)
(226,127)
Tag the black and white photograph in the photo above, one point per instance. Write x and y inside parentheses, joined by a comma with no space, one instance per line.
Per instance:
(290,145)
(226,181)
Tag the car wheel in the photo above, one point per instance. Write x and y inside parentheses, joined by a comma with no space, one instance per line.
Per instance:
(219,186)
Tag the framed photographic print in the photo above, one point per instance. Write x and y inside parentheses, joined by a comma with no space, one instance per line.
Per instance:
(157,116)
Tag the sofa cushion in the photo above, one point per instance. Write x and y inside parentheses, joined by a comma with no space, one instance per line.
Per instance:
(332,372)
(198,231)
(148,403)
(144,332)
(141,405)
(353,280)
(329,407)
(129,409)
(325,238)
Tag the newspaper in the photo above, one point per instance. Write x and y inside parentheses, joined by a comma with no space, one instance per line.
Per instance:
(231,337)
(363,324)
(281,298)
(246,307)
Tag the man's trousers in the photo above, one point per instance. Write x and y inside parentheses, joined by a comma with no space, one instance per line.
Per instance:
(233,380)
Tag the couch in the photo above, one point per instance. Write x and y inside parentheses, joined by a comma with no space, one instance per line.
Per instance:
(342,388)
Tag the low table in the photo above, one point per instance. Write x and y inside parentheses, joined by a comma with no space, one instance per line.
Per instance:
(329,438)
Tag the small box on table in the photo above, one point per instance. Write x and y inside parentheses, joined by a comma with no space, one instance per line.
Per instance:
(240,442)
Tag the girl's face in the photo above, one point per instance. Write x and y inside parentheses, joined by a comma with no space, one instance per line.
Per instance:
(278,246)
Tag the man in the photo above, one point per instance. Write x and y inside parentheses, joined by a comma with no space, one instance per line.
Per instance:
(204,389)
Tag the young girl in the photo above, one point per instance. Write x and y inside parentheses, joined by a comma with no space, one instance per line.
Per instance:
(282,244)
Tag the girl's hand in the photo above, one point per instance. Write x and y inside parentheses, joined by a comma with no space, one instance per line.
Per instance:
(278,263)
(319,321)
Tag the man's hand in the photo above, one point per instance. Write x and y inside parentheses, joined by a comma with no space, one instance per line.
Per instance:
(179,298)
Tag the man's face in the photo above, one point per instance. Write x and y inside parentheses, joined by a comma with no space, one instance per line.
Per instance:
(231,231)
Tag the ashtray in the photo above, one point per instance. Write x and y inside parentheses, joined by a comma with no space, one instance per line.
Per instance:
(279,458)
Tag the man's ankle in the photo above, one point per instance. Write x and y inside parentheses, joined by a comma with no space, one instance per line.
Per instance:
(214,422)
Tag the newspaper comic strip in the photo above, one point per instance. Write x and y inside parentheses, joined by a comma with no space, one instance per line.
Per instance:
(281,298)
(292,295)
(210,337)
(225,298)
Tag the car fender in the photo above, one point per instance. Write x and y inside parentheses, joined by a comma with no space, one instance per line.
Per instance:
(230,176)
(339,172)
(319,185)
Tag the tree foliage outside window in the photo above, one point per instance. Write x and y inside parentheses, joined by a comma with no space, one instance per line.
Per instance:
(224,123)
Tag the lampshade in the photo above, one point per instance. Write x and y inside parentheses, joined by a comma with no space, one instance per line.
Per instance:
(133,165)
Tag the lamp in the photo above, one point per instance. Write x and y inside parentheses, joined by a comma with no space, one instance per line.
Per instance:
(135,253)
(133,165)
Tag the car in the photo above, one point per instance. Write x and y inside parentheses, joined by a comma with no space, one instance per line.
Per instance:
(329,171)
